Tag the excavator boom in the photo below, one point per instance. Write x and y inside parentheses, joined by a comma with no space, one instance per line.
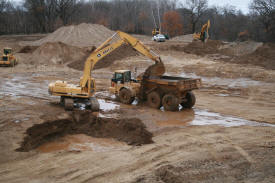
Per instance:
(72,93)
(106,48)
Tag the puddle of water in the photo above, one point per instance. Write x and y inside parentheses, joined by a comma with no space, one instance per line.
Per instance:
(203,117)
(81,142)
(229,83)
(171,123)
(222,95)
(23,85)
(107,105)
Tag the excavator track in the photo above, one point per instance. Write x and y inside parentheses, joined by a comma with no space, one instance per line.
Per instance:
(69,104)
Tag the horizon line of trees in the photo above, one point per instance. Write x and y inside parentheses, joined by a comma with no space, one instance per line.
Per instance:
(140,17)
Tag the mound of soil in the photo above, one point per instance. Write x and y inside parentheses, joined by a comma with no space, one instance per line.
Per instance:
(185,38)
(28,49)
(239,48)
(264,56)
(120,53)
(57,53)
(132,131)
(200,48)
(82,35)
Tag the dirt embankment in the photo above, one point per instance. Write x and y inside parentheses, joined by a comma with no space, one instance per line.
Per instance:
(132,131)
(202,49)
(248,52)
(120,53)
(264,56)
(82,35)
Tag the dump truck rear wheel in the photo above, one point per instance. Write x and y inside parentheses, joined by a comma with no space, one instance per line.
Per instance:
(125,96)
(154,100)
(69,104)
(190,100)
(170,102)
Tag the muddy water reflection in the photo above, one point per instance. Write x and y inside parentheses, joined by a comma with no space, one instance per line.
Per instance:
(81,142)
(203,117)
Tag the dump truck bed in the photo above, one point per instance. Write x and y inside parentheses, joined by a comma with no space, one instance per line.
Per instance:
(179,82)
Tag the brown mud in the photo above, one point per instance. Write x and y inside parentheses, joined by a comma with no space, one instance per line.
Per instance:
(131,131)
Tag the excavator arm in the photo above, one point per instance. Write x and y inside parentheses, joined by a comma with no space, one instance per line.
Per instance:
(110,45)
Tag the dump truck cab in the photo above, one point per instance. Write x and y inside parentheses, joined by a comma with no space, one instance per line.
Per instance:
(124,86)
(8,59)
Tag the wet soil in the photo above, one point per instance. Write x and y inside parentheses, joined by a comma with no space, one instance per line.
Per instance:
(225,134)
(131,131)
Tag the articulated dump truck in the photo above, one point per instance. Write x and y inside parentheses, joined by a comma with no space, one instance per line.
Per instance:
(157,89)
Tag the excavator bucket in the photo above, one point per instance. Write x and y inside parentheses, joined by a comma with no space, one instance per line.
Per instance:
(156,69)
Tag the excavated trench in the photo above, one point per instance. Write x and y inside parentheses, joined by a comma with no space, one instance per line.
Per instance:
(132,131)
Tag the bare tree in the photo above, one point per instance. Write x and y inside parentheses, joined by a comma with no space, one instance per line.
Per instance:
(197,9)
(265,9)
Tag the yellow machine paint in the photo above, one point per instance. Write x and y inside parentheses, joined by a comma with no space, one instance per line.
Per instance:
(8,59)
(73,94)
(203,35)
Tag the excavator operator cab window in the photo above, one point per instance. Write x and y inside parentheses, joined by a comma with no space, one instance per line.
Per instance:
(7,51)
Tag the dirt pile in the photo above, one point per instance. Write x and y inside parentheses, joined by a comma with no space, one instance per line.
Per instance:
(57,53)
(82,35)
(202,49)
(132,131)
(28,49)
(239,48)
(120,53)
(188,38)
(264,56)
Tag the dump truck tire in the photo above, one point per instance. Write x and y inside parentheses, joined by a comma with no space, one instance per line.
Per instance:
(190,100)
(125,96)
(69,104)
(154,100)
(170,102)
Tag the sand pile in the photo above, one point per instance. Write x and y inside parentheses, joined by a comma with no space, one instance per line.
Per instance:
(120,53)
(188,38)
(56,53)
(200,48)
(263,56)
(240,48)
(82,35)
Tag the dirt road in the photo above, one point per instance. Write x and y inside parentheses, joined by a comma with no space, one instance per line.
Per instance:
(227,137)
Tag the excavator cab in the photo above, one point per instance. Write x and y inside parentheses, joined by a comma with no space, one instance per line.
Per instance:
(7,51)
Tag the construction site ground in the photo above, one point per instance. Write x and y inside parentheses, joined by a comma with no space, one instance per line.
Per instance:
(229,136)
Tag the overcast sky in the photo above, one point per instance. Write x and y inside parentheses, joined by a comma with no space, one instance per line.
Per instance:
(239,4)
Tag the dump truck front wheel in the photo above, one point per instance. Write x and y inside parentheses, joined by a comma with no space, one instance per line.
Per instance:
(125,96)
(170,102)
(154,100)
(190,100)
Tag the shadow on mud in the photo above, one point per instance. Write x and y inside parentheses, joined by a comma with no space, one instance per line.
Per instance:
(132,131)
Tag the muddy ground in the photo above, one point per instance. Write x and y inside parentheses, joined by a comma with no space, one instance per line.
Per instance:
(227,137)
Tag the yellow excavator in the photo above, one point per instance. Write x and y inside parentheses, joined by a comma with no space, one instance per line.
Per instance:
(8,59)
(76,95)
(203,35)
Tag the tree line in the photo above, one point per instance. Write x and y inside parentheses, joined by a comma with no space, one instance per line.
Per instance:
(174,17)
